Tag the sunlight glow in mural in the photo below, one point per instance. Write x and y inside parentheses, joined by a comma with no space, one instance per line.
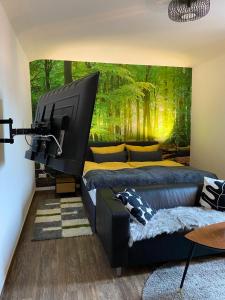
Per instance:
(163,131)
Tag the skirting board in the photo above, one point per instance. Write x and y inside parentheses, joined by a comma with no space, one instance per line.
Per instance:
(10,260)
(45,188)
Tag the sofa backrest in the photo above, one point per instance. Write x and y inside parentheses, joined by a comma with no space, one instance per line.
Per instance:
(169,196)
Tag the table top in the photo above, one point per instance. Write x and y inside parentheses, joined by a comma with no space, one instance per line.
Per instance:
(211,236)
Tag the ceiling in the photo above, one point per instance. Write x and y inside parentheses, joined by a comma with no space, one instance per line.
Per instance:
(122,31)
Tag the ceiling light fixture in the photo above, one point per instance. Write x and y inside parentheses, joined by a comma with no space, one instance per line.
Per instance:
(188,10)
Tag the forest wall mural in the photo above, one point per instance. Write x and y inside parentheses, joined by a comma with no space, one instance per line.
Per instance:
(134,102)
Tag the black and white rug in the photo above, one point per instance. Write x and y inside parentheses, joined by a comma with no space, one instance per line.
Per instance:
(204,280)
(60,218)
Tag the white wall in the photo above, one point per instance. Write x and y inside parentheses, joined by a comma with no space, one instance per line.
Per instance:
(16,173)
(208,116)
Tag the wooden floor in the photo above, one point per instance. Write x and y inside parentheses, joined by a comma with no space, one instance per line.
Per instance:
(70,268)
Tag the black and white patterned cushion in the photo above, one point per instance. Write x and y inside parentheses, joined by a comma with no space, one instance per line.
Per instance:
(213,194)
(138,208)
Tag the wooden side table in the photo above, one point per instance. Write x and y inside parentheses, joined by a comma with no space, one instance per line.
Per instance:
(212,236)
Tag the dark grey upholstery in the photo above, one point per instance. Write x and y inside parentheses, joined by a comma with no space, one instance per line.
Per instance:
(171,195)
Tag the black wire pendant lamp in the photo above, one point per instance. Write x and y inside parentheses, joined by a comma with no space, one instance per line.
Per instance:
(188,10)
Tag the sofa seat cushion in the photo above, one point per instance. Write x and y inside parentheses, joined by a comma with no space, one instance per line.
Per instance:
(174,220)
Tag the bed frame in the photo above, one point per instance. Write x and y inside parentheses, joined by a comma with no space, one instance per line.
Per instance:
(90,207)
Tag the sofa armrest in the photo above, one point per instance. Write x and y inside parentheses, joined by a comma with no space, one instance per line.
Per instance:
(112,225)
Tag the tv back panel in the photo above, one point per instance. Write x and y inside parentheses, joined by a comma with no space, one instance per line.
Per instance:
(66,112)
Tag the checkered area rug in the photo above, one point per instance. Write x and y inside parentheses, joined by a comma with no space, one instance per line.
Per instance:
(60,218)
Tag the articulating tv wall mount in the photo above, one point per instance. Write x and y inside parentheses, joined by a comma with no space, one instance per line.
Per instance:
(36,129)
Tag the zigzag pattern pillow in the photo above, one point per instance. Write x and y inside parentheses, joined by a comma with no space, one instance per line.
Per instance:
(213,194)
(138,208)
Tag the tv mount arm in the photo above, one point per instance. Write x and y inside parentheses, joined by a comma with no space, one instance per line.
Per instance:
(36,129)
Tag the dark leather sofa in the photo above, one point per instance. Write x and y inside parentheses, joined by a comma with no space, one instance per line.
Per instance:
(112,224)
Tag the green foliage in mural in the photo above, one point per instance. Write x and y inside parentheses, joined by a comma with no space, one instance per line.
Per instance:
(133,102)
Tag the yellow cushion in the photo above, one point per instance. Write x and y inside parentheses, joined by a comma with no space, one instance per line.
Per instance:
(163,163)
(142,148)
(90,166)
(107,150)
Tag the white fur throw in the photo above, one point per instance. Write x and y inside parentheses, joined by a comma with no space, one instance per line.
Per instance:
(174,219)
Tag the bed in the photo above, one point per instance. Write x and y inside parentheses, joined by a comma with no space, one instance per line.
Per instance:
(118,175)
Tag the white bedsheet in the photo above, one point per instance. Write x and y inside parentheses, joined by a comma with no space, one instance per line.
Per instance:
(92,193)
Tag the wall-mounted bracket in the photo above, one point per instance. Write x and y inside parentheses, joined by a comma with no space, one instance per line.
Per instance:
(9,140)
(40,129)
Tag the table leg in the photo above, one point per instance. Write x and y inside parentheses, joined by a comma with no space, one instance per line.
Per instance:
(187,263)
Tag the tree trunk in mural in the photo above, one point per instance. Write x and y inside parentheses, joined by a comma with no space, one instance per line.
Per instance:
(68,77)
(146,109)
(165,107)
(153,110)
(129,120)
(138,125)
(117,127)
(48,67)
(125,121)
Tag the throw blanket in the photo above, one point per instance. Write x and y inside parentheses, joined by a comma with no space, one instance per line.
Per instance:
(144,176)
(173,220)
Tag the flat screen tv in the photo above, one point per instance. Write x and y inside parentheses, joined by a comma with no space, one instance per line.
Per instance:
(65,115)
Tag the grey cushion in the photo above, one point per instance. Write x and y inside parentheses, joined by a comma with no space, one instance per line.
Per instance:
(109,157)
(145,156)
